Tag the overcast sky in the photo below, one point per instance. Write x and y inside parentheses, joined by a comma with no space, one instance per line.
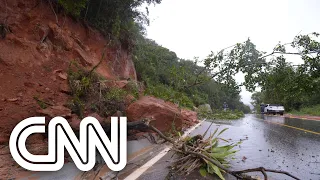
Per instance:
(193,28)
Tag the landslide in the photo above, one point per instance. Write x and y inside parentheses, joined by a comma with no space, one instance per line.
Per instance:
(35,53)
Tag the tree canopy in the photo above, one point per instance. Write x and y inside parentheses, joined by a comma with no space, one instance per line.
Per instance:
(119,20)
(292,85)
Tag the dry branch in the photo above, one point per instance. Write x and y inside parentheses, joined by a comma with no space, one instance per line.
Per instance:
(55,14)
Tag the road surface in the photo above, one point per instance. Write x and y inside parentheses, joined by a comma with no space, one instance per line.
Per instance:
(274,142)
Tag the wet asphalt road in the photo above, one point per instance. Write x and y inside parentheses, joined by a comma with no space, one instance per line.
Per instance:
(274,142)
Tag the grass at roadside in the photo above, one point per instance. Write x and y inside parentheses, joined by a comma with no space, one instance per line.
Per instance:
(229,115)
(222,115)
(312,111)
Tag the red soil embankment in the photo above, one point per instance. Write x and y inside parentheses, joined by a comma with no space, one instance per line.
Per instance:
(35,56)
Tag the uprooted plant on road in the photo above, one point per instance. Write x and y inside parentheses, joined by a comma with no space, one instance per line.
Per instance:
(187,163)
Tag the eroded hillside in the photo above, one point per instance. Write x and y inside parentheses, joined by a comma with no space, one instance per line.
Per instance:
(35,54)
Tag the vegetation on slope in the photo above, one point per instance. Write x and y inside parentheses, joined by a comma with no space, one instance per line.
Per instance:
(221,114)
(168,77)
(119,20)
(312,111)
(90,92)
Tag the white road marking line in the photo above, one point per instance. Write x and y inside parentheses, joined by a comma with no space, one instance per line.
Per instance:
(138,172)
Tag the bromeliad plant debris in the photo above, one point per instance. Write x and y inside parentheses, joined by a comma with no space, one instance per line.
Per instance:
(208,147)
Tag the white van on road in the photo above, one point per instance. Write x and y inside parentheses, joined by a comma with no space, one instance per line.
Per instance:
(273,109)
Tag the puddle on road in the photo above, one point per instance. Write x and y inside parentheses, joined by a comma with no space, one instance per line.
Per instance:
(273,146)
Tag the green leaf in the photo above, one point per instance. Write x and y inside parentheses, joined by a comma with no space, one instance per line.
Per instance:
(215,132)
(179,134)
(223,131)
(222,155)
(203,172)
(221,149)
(214,144)
(224,140)
(217,171)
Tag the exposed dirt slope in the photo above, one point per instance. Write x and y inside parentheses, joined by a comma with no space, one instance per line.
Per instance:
(35,56)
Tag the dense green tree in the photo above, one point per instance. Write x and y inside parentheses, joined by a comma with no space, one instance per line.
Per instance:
(293,86)
(119,20)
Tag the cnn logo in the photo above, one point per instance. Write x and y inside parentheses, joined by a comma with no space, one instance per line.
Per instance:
(61,137)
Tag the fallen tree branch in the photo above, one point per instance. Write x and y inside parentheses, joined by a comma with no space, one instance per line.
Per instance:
(160,134)
(263,171)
